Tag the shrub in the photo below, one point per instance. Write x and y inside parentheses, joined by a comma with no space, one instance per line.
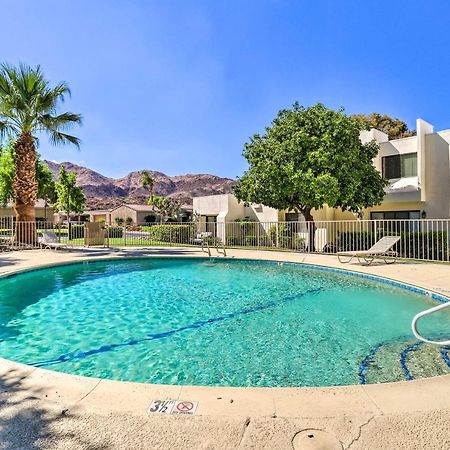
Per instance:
(119,221)
(356,240)
(115,232)
(249,240)
(287,238)
(424,245)
(128,221)
(181,234)
(260,241)
(233,240)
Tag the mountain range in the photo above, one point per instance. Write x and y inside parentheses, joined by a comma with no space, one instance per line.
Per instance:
(103,192)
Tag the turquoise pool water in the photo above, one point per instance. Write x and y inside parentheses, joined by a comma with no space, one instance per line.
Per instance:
(219,322)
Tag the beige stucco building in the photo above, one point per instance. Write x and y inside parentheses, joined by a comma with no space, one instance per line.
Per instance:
(137,214)
(418,170)
(43,211)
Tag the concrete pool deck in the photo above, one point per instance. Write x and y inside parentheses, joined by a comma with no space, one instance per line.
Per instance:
(51,410)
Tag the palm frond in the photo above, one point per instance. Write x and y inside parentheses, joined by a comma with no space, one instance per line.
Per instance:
(29,102)
(6,128)
(59,138)
(61,121)
(48,99)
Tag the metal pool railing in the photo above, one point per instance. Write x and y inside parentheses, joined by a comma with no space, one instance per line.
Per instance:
(420,239)
(428,312)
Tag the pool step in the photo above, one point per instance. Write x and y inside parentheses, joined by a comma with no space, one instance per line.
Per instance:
(405,359)
(426,360)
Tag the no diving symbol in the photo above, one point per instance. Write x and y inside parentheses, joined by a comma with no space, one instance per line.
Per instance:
(173,407)
(185,407)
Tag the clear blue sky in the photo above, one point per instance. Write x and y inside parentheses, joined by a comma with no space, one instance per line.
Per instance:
(180,85)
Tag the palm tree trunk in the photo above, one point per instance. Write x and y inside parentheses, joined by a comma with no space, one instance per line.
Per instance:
(25,189)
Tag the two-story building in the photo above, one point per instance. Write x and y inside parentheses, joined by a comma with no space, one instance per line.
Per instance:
(418,170)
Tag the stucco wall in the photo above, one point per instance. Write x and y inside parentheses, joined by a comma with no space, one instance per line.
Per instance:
(99,218)
(395,147)
(123,212)
(40,213)
(261,213)
(433,167)
(210,205)
(437,175)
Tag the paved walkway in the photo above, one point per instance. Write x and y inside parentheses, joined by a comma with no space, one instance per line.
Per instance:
(41,409)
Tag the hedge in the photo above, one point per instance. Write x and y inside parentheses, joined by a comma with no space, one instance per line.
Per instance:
(181,234)
(115,232)
(249,240)
(287,237)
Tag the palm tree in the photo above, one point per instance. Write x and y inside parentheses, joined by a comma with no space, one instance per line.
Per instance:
(28,105)
(147,181)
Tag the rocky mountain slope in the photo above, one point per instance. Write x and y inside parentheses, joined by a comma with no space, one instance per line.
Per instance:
(104,192)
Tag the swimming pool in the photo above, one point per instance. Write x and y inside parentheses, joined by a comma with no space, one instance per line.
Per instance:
(192,321)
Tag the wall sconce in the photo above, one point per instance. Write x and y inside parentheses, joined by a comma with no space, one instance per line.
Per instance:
(423,215)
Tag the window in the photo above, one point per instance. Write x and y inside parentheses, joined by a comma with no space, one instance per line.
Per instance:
(399,166)
(393,221)
(394,215)
(293,217)
(211,223)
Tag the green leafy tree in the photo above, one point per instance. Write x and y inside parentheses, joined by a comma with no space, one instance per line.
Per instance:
(70,197)
(7,171)
(307,158)
(148,182)
(393,127)
(44,177)
(46,183)
(164,206)
(29,105)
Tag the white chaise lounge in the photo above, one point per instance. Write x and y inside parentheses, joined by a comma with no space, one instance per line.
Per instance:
(50,240)
(381,250)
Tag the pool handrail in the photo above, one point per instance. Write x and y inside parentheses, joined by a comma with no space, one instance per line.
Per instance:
(427,312)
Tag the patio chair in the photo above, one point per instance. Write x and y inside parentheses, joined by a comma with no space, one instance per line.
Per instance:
(50,240)
(381,250)
(202,239)
(205,239)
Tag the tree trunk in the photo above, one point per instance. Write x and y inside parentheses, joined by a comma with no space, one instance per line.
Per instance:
(311,229)
(25,189)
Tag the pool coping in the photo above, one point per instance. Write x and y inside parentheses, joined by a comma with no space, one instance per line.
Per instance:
(95,394)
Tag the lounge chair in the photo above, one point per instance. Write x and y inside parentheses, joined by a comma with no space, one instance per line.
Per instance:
(50,240)
(381,250)
(205,239)
(202,239)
